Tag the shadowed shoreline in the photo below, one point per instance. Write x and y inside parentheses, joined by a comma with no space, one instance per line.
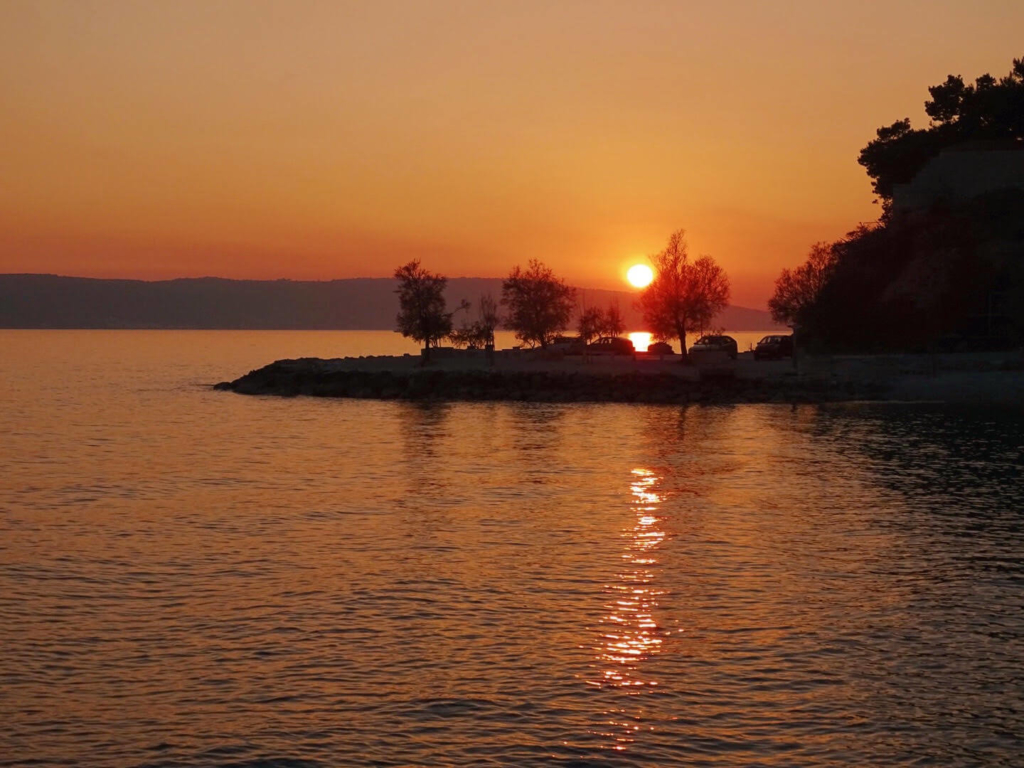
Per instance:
(628,381)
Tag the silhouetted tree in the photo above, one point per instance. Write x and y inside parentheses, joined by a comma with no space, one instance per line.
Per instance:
(684,296)
(989,109)
(612,323)
(464,337)
(480,333)
(422,312)
(539,304)
(944,278)
(948,276)
(589,323)
(798,289)
(488,319)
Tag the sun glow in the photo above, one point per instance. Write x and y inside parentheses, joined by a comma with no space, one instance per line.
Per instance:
(639,275)
(641,341)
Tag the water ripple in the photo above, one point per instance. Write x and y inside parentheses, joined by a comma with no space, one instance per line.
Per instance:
(193,579)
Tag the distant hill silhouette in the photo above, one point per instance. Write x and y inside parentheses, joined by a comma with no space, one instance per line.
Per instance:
(52,301)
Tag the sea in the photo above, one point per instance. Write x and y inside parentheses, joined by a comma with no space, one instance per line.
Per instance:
(197,578)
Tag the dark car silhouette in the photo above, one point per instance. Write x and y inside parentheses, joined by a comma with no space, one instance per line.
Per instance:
(660,348)
(725,344)
(569,345)
(774,348)
(611,345)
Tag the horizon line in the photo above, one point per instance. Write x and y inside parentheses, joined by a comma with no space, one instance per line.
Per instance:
(296,280)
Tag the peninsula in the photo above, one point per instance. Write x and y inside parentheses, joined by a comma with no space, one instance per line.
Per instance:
(533,376)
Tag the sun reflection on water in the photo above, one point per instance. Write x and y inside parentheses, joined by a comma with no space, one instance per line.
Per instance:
(629,632)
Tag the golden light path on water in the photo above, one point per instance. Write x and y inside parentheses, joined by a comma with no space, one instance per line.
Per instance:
(629,632)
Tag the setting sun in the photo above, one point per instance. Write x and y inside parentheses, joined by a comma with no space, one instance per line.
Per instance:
(641,340)
(640,275)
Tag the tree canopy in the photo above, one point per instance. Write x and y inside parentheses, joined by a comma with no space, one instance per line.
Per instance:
(612,323)
(422,312)
(948,276)
(479,334)
(593,321)
(684,296)
(797,290)
(589,323)
(539,304)
(986,110)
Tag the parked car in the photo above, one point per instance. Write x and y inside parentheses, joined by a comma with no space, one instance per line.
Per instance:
(660,348)
(725,344)
(611,345)
(569,345)
(774,348)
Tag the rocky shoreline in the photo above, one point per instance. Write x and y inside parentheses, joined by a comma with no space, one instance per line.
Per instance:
(322,378)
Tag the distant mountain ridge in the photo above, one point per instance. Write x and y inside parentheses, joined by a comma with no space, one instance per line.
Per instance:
(53,301)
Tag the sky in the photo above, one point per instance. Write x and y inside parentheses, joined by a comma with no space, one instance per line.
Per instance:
(322,140)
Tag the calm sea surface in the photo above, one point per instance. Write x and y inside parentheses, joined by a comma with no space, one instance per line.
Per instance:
(195,578)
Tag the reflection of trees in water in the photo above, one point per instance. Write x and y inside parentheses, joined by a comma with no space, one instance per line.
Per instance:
(537,415)
(953,462)
(423,424)
(848,538)
(694,447)
(536,432)
(960,461)
(425,429)
(944,485)
(671,430)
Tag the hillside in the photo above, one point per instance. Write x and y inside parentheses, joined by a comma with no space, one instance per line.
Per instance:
(51,301)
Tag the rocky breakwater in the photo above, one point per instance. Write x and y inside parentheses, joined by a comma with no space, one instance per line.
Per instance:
(552,383)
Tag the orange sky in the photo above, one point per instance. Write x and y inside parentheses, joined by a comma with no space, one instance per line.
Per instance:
(315,140)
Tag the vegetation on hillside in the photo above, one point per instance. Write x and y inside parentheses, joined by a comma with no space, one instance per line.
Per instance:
(987,110)
(949,276)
